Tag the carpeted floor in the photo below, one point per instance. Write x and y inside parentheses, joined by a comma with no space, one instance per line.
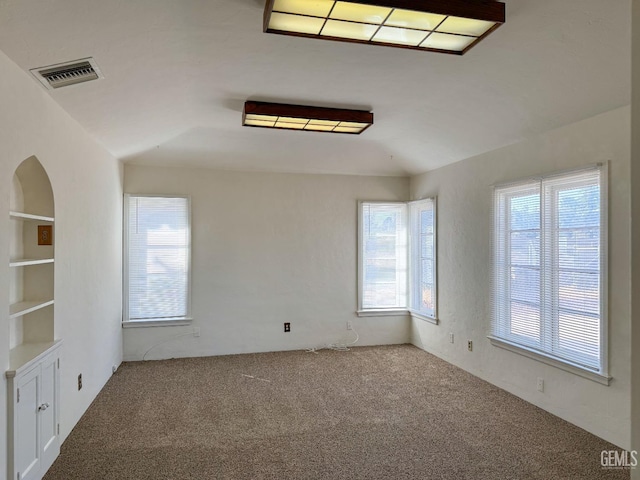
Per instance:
(392,412)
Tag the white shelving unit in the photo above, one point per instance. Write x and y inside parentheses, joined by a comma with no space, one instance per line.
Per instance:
(22,308)
(32,274)
(25,262)
(33,374)
(31,263)
(29,216)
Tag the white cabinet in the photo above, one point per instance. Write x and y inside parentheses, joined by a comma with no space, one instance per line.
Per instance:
(33,410)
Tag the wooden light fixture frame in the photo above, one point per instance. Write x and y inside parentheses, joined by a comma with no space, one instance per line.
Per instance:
(306,112)
(486,10)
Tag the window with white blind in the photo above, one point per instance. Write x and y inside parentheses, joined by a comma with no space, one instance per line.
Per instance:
(549,284)
(383,248)
(422,238)
(157,258)
(397,258)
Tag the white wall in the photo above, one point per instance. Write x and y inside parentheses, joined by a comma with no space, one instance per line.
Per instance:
(464,259)
(267,249)
(635,235)
(87,185)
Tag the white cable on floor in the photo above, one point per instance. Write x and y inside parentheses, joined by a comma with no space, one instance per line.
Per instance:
(340,347)
(165,341)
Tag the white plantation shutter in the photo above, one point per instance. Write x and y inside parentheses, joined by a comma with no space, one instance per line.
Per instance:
(423,257)
(158,256)
(383,249)
(550,266)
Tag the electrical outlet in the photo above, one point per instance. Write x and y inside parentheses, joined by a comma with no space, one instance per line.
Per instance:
(470,345)
(349,325)
(196,331)
(287,327)
(540,385)
(45,234)
(80,382)
(451,338)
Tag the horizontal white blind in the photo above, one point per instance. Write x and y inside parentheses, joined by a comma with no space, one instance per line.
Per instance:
(423,257)
(548,266)
(158,257)
(517,267)
(383,243)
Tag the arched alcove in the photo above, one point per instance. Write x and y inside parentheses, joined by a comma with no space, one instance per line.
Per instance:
(33,377)
(31,257)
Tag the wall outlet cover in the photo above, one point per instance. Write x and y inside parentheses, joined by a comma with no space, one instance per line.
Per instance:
(45,234)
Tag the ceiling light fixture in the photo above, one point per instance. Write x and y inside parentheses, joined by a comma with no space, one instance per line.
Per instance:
(447,26)
(303,117)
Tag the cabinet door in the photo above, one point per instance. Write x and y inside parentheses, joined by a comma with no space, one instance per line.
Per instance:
(48,411)
(27,441)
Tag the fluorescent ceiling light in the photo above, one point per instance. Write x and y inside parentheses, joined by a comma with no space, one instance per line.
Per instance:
(303,117)
(448,26)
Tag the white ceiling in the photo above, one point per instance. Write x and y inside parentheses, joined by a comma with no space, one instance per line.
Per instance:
(177,73)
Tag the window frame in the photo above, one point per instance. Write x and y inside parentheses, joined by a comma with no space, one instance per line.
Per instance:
(415,256)
(380,311)
(410,248)
(154,322)
(547,240)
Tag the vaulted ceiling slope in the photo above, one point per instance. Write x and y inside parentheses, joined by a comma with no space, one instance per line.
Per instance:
(177,72)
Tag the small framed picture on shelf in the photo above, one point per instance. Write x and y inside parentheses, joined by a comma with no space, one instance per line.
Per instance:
(45,234)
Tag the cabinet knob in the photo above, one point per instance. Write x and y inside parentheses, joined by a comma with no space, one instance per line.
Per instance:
(43,407)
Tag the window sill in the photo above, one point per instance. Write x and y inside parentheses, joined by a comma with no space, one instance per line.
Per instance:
(419,316)
(158,322)
(382,312)
(562,365)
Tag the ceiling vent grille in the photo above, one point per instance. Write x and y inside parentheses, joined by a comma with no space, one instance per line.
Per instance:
(70,73)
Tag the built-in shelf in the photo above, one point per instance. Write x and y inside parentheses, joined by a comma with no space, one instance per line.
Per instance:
(33,370)
(29,216)
(27,354)
(23,262)
(22,308)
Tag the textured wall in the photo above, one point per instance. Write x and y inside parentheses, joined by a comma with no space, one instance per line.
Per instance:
(87,186)
(635,236)
(464,261)
(267,249)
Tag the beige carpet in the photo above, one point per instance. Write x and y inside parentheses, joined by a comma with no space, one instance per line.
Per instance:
(391,412)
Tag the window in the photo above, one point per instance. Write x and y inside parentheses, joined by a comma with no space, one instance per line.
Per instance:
(423,258)
(157,258)
(549,268)
(384,251)
(397,258)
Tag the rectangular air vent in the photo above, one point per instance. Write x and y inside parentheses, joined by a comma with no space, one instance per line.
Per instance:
(65,74)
